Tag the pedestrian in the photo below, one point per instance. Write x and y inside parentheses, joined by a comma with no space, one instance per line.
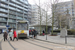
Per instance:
(10,34)
(35,33)
(5,35)
(32,33)
(29,32)
(43,32)
(15,35)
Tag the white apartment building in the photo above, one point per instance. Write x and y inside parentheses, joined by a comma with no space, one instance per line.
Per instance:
(36,19)
(36,15)
(73,18)
(60,13)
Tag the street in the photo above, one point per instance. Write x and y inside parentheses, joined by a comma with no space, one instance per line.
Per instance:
(32,44)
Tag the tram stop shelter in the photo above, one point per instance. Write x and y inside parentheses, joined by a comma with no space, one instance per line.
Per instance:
(43,27)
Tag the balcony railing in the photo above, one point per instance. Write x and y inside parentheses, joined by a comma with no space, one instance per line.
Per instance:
(4,10)
(6,6)
(3,15)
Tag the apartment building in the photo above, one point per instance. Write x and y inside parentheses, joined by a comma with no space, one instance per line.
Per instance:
(36,15)
(63,11)
(73,18)
(13,10)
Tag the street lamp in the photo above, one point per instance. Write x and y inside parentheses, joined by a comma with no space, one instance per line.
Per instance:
(8,18)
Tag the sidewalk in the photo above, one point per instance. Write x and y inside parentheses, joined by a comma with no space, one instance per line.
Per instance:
(57,39)
(1,36)
(6,46)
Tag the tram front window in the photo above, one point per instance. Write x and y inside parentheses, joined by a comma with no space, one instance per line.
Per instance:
(22,26)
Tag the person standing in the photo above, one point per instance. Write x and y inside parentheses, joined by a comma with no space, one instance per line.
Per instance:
(35,33)
(10,34)
(43,32)
(15,35)
(32,33)
(5,35)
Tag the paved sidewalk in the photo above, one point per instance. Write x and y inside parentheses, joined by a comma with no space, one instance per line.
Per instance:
(6,46)
(1,36)
(57,39)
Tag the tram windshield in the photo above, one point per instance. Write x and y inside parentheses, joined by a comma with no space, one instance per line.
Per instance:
(22,26)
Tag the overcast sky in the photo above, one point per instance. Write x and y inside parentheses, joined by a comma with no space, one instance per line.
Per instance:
(42,1)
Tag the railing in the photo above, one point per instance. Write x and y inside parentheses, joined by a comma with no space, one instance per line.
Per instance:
(3,10)
(3,15)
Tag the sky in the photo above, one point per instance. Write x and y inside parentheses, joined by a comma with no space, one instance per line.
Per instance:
(42,1)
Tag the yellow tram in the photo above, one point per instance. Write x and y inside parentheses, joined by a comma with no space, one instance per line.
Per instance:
(22,29)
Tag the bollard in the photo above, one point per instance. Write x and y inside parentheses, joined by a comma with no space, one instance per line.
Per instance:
(46,36)
(65,39)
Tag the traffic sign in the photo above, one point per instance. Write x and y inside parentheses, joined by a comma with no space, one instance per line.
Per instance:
(7,25)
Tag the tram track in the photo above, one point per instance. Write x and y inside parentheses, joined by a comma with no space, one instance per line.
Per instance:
(11,45)
(37,45)
(8,43)
(46,44)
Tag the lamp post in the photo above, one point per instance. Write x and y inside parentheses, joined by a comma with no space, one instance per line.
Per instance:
(8,18)
(46,25)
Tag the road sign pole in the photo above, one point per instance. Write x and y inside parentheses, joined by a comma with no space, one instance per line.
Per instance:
(7,27)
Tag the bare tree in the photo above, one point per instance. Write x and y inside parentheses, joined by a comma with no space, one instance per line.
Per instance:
(51,4)
(54,6)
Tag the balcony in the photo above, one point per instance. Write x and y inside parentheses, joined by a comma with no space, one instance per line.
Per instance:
(14,13)
(12,4)
(26,9)
(2,10)
(26,12)
(16,6)
(19,11)
(12,17)
(25,16)
(4,1)
(3,15)
(17,2)
(5,6)
(12,21)
(3,21)
(19,18)
(12,8)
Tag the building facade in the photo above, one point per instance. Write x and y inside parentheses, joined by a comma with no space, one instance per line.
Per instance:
(13,10)
(73,18)
(36,15)
(62,12)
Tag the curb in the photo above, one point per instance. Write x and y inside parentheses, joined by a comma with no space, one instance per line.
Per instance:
(55,43)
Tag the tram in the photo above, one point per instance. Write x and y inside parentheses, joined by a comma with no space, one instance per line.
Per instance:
(22,29)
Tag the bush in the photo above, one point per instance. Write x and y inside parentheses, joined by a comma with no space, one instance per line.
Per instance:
(56,31)
(71,32)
